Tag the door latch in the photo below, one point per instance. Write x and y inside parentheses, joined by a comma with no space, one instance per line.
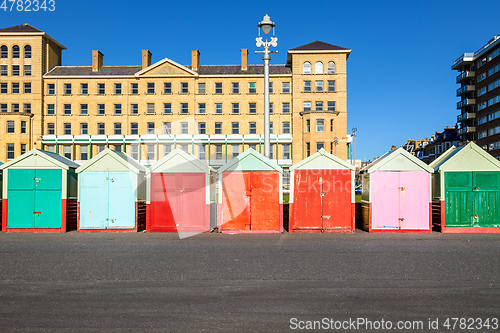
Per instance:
(37,179)
(401,188)
(323,194)
(110,179)
(37,213)
(401,219)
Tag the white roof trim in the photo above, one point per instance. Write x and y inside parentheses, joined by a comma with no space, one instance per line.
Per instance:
(161,62)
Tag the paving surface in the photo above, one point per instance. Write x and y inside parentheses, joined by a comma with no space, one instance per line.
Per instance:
(103,282)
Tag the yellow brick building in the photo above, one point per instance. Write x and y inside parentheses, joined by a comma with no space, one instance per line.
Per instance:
(213,111)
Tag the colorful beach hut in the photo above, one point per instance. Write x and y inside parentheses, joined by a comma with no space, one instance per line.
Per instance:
(180,194)
(396,194)
(466,190)
(250,194)
(322,195)
(39,193)
(111,193)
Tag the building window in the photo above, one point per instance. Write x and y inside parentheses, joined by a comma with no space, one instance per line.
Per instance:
(285,87)
(84,109)
(10,151)
(184,108)
(150,108)
(184,128)
(319,86)
(308,149)
(319,106)
(51,109)
(118,128)
(167,108)
(331,106)
(235,87)
(286,127)
(271,126)
(307,106)
(118,109)
(235,151)
(235,128)
(117,148)
(101,109)
(134,128)
(202,88)
(3,88)
(201,152)
(185,148)
(67,109)
(3,107)
(167,149)
(167,87)
(84,129)
(27,107)
(50,148)
(307,86)
(271,108)
(15,88)
(218,152)
(15,107)
(308,126)
(252,146)
(134,151)
(218,128)
(218,108)
(252,127)
(150,128)
(184,88)
(101,129)
(84,153)
(218,87)
(3,70)
(4,52)
(331,125)
(15,70)
(202,128)
(286,151)
(67,89)
(151,88)
(285,108)
(252,87)
(51,89)
(23,148)
(306,68)
(167,128)
(252,108)
(67,128)
(318,68)
(320,125)
(50,129)
(10,127)
(118,88)
(134,88)
(15,51)
(27,70)
(202,108)
(134,108)
(320,145)
(331,86)
(101,88)
(84,88)
(271,152)
(235,108)
(331,68)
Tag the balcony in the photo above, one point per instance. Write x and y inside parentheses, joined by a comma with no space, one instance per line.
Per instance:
(466,116)
(464,59)
(465,89)
(467,129)
(466,102)
(465,75)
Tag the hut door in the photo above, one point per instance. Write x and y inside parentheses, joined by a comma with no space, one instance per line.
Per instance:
(335,195)
(236,196)
(121,200)
(93,200)
(460,197)
(192,202)
(486,199)
(34,198)
(263,196)
(163,202)
(307,201)
(385,198)
(413,201)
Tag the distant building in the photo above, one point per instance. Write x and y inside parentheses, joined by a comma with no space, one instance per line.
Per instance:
(412,145)
(429,150)
(479,92)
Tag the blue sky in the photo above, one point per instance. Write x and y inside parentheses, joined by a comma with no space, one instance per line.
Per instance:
(400,84)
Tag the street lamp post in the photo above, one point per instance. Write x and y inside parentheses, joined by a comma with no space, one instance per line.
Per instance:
(354,131)
(266,25)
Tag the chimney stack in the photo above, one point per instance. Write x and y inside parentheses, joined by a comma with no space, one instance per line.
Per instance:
(96,60)
(195,55)
(244,59)
(146,58)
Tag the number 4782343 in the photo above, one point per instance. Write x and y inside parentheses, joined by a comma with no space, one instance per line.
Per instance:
(28,5)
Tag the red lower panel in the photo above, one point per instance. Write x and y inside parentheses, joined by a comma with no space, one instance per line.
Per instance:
(4,215)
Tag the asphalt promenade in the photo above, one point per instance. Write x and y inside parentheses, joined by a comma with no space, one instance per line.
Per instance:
(109,282)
